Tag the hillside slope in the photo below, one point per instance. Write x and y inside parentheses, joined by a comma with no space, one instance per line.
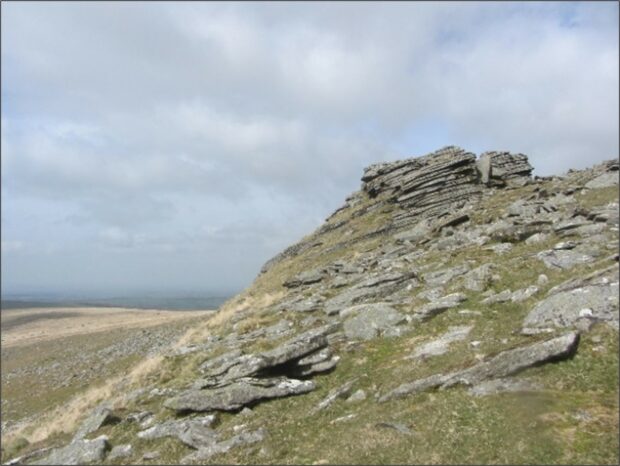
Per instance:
(453,310)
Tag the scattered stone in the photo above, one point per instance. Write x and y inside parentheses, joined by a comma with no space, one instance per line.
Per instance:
(523,294)
(440,345)
(432,309)
(537,238)
(359,395)
(566,245)
(443,277)
(339,392)
(479,278)
(468,312)
(243,438)
(402,428)
(150,455)
(501,297)
(500,248)
(504,364)
(348,417)
(120,451)
(542,279)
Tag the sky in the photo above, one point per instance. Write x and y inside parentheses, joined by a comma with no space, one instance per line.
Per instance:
(175,147)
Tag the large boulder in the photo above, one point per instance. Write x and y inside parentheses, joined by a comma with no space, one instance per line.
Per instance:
(80,451)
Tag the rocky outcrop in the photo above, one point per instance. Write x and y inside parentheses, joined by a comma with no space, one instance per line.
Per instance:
(501,168)
(430,184)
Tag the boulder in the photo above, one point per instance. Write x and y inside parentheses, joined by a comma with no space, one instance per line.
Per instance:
(479,278)
(196,432)
(442,277)
(305,278)
(436,307)
(563,259)
(566,308)
(242,392)
(120,451)
(100,416)
(504,364)
(368,321)
(243,438)
(606,180)
(342,391)
(80,451)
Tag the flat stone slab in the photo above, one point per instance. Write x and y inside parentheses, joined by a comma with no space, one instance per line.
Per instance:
(502,365)
(80,451)
(238,394)
(440,345)
(243,438)
(566,308)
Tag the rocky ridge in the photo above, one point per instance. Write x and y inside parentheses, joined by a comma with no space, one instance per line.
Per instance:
(416,246)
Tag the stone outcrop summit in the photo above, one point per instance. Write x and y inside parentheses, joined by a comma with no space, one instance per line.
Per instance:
(443,272)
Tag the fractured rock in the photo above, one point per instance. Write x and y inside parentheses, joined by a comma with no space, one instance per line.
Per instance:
(436,307)
(442,277)
(563,259)
(100,416)
(339,392)
(440,345)
(196,432)
(238,394)
(500,168)
(305,278)
(244,438)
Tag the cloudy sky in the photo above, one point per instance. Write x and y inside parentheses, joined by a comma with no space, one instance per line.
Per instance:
(175,147)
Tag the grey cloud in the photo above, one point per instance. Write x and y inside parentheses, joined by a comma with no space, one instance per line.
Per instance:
(231,129)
